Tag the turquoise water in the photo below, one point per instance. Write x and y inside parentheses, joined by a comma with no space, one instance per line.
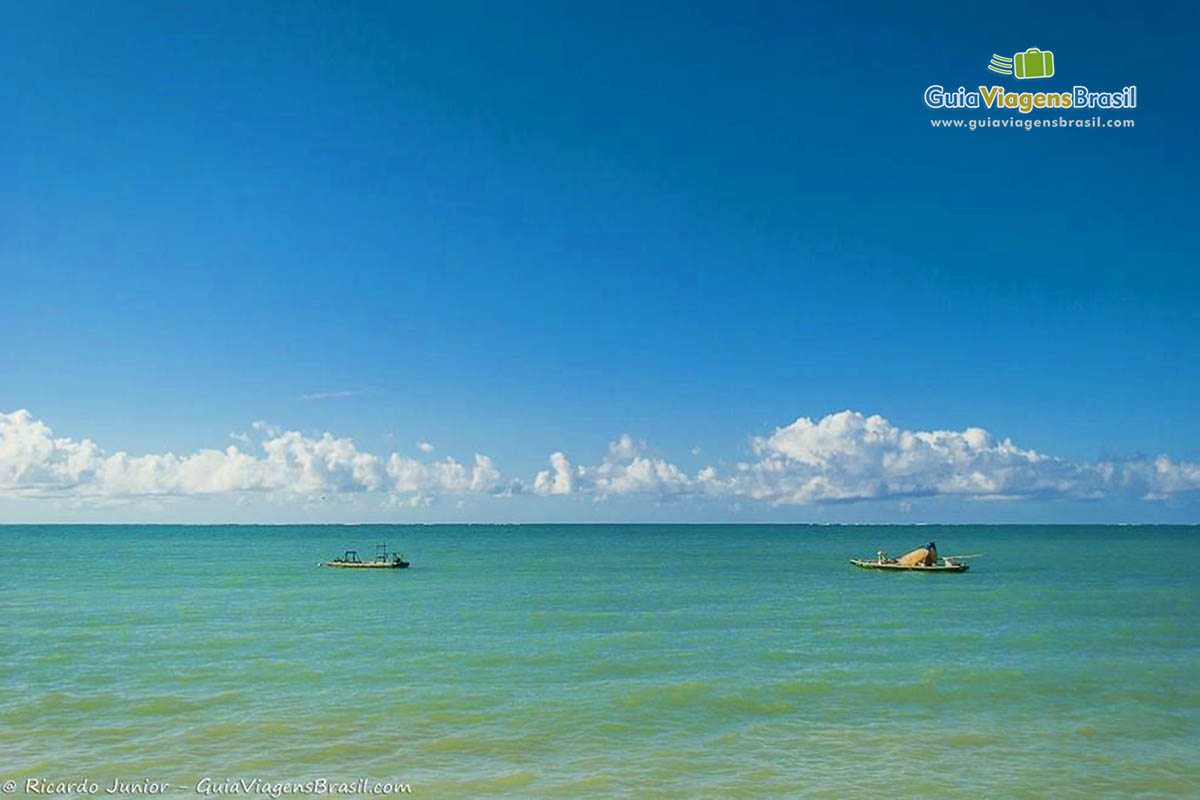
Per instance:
(619,661)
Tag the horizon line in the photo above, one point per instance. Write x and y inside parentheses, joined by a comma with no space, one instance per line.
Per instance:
(600,524)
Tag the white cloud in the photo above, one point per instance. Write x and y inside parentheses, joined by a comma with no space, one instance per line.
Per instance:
(849,456)
(425,447)
(625,470)
(557,479)
(31,459)
(332,395)
(34,462)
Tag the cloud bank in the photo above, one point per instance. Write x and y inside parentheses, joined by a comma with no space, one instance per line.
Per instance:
(847,457)
(842,458)
(33,463)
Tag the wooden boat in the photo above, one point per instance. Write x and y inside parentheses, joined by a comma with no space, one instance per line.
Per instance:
(350,560)
(947,565)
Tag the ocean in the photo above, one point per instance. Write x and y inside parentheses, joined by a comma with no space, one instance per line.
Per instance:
(576,661)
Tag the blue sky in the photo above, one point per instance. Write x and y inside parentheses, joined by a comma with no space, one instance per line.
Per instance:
(527,230)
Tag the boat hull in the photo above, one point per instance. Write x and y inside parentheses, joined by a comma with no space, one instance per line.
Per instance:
(863,564)
(367,564)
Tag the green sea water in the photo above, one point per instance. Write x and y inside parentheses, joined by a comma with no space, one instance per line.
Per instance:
(606,661)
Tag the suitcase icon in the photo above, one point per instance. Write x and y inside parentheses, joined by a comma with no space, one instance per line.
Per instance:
(1033,63)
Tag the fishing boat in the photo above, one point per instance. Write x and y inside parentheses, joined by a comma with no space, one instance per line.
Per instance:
(923,559)
(350,560)
(946,565)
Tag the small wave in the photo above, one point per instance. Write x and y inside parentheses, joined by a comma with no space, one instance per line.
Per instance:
(158,706)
